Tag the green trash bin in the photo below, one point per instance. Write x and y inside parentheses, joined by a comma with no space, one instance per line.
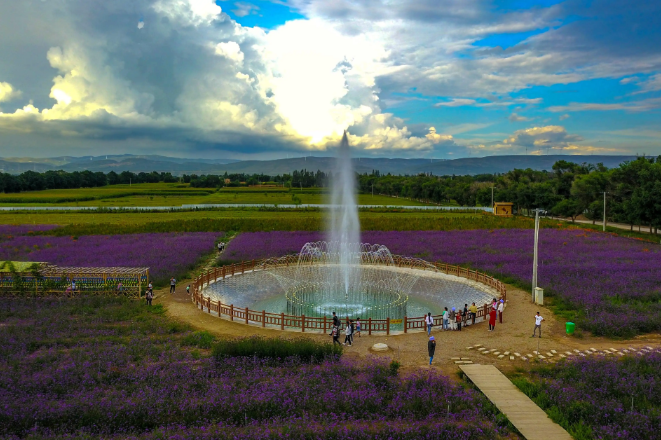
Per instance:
(570,328)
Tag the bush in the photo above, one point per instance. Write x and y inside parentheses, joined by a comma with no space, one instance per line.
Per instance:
(202,339)
(306,350)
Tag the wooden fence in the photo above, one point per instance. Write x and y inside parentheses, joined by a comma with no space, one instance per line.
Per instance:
(324,324)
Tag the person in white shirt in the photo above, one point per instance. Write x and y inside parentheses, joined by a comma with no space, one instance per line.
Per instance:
(538,325)
(501,307)
(430,323)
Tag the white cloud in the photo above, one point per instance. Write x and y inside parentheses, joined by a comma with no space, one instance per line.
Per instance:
(651,84)
(230,50)
(517,118)
(244,9)
(189,12)
(455,103)
(7,92)
(563,117)
(633,106)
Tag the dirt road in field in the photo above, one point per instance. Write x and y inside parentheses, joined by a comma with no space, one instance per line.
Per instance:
(513,335)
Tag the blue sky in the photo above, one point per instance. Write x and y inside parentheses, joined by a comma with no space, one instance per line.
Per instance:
(266,79)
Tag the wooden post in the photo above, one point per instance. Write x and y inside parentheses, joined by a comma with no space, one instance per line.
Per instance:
(302,323)
(387,325)
(253,266)
(369,326)
(242,268)
(247,313)
(282,321)
(263,318)
(231,312)
(406,323)
(324,323)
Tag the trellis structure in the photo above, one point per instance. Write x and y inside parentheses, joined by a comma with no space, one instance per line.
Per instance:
(39,279)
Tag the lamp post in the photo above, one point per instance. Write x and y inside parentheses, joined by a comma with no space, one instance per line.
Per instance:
(605,211)
(534,263)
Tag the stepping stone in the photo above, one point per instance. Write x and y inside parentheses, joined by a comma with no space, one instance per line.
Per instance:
(465,359)
(501,356)
(577,351)
(458,362)
(496,353)
(612,349)
(523,358)
(478,345)
(625,350)
(562,355)
(582,354)
(469,348)
(380,347)
(454,358)
(541,356)
(481,349)
(529,355)
(632,349)
(649,348)
(568,353)
(554,352)
(536,352)
(511,358)
(468,362)
(507,353)
(593,349)
(517,354)
(549,355)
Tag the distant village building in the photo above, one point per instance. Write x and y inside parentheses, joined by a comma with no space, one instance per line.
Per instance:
(503,209)
(227,181)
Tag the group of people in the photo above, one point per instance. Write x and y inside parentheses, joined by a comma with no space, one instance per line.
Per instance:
(351,328)
(221,246)
(454,319)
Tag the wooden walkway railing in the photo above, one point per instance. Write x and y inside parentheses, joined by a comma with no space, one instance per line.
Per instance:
(283,321)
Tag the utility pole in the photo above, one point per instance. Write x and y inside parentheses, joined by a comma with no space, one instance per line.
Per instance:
(534,263)
(372,189)
(604,211)
(492,198)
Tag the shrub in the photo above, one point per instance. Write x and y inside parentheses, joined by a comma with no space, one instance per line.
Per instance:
(201,339)
(306,350)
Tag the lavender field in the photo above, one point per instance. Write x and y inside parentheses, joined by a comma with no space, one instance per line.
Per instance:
(605,398)
(117,368)
(612,283)
(167,254)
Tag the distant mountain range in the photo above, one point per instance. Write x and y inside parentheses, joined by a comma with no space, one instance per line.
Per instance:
(178,166)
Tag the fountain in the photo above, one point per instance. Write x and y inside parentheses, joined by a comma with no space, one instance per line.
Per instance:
(346,276)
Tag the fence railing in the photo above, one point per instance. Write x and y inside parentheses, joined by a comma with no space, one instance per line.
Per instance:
(283,321)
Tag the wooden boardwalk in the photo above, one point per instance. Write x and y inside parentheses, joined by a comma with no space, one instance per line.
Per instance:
(531,421)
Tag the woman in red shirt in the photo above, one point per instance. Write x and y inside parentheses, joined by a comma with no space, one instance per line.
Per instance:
(492,319)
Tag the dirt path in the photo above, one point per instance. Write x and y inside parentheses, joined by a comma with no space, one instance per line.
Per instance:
(513,336)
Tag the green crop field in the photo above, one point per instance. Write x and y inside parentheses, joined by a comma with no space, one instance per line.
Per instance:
(176,194)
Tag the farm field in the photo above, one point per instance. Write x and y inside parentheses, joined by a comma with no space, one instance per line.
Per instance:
(113,368)
(176,194)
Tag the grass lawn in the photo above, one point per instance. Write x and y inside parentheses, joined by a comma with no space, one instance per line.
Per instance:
(177,194)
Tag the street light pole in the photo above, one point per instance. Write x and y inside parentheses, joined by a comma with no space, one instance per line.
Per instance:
(604,211)
(534,263)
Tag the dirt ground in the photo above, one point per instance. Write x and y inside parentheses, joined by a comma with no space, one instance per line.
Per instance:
(513,335)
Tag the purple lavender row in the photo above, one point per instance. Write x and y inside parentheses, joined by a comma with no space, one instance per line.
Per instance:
(166,254)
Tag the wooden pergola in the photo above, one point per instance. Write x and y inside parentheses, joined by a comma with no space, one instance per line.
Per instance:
(44,278)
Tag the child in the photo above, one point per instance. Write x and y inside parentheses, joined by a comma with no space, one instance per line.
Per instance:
(459,320)
(188,290)
(335,333)
(358,326)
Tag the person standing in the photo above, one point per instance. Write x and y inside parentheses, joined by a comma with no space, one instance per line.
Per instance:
(173,282)
(188,290)
(431,348)
(459,320)
(353,330)
(220,246)
(473,310)
(465,315)
(452,319)
(120,287)
(538,325)
(149,296)
(492,319)
(336,320)
(446,319)
(358,326)
(347,334)
(501,307)
(430,323)
(335,333)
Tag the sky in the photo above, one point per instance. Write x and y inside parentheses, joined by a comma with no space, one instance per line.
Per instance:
(282,78)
